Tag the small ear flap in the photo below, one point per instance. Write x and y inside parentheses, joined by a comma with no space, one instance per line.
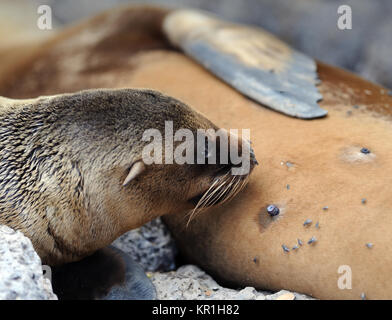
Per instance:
(136,169)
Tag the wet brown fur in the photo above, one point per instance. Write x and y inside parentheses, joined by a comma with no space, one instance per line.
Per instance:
(63,160)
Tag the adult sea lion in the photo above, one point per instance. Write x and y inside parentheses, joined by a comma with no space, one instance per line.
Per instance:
(334,171)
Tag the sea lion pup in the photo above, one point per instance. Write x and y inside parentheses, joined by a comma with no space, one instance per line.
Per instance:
(73,172)
(334,171)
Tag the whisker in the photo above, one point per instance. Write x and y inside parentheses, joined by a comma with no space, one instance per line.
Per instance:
(221,190)
(200,204)
(222,194)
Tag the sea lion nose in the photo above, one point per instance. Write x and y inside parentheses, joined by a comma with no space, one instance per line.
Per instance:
(248,154)
(253,159)
(242,154)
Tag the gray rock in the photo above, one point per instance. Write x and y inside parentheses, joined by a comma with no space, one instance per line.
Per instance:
(376,63)
(21,276)
(21,270)
(288,295)
(191,283)
(151,246)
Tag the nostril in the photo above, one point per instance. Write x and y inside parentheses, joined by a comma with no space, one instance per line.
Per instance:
(253,159)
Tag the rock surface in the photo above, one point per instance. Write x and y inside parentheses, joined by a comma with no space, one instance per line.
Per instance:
(151,246)
(21,275)
(191,283)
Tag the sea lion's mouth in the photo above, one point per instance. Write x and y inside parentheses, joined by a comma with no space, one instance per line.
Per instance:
(223,176)
(195,200)
(223,188)
(227,182)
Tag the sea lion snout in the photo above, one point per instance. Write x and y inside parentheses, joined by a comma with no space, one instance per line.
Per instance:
(244,160)
(235,161)
(253,159)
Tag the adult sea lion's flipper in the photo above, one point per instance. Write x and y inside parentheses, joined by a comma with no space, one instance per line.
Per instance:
(249,59)
(136,285)
(109,274)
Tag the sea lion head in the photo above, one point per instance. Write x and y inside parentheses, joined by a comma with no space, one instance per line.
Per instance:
(94,164)
(160,157)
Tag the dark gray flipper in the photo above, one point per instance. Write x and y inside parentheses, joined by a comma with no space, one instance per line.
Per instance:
(137,286)
(108,274)
(251,60)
